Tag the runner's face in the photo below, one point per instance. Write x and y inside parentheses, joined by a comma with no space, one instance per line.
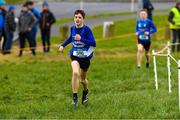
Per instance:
(78,19)
(143,15)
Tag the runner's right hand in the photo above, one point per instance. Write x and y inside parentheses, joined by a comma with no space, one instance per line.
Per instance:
(146,33)
(77,37)
(61,49)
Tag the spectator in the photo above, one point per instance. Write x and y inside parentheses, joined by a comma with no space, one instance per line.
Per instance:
(3,12)
(174,21)
(37,15)
(26,22)
(10,27)
(46,21)
(149,7)
(1,24)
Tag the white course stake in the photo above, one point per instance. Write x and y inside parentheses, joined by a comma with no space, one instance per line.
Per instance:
(155,70)
(81,5)
(132,5)
(169,67)
(179,81)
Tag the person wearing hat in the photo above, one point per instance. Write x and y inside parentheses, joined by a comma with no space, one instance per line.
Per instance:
(2,4)
(174,22)
(10,27)
(1,25)
(46,22)
(3,12)
(26,22)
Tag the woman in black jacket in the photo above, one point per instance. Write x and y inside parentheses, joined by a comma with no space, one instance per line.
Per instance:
(47,19)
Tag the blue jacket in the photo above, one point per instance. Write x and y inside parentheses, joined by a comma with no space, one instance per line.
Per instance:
(84,47)
(143,26)
(37,15)
(2,22)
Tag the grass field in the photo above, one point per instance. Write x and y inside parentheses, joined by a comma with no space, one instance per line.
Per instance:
(102,15)
(115,0)
(14,1)
(40,87)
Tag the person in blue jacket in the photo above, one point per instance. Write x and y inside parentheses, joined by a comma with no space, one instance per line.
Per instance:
(83,43)
(4,13)
(37,14)
(1,25)
(144,28)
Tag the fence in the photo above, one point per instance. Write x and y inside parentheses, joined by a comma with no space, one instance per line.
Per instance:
(169,58)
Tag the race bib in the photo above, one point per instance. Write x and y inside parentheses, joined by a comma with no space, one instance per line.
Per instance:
(80,53)
(143,37)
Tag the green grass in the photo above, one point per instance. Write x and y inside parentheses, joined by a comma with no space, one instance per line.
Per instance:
(116,0)
(40,87)
(14,1)
(102,15)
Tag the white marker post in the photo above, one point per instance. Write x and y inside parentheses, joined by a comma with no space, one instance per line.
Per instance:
(81,5)
(140,5)
(107,31)
(169,67)
(132,5)
(155,69)
(179,81)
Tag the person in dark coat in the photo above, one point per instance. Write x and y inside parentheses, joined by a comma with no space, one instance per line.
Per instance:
(10,27)
(26,22)
(47,19)
(149,7)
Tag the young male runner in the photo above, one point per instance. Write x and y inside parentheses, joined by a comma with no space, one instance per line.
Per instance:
(81,52)
(144,28)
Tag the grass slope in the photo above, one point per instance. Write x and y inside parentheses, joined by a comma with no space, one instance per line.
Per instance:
(14,1)
(40,87)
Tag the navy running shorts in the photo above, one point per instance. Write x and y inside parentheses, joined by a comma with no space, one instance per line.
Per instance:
(83,62)
(146,45)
